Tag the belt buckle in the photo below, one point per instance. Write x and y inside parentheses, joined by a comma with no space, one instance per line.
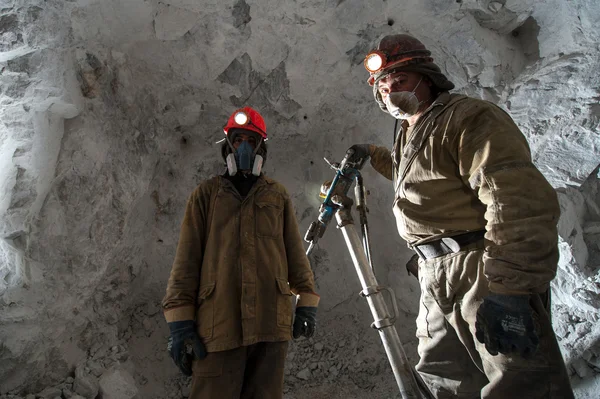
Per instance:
(451,243)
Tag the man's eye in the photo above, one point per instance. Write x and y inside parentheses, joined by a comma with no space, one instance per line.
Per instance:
(252,141)
(384,90)
(237,140)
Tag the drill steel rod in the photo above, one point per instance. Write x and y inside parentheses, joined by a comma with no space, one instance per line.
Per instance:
(310,248)
(384,322)
(360,196)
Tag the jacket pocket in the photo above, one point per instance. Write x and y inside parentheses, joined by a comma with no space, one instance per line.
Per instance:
(268,216)
(284,303)
(206,310)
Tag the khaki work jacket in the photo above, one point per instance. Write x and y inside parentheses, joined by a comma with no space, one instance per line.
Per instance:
(233,264)
(465,166)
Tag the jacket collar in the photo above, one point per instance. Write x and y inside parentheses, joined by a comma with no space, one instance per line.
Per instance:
(442,99)
(261,181)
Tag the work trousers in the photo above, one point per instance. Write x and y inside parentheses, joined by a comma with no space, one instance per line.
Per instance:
(453,363)
(247,372)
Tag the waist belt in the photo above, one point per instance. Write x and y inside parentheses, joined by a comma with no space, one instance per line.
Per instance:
(448,245)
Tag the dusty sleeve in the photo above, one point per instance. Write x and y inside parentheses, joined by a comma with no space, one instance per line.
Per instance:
(381,161)
(179,302)
(300,275)
(522,208)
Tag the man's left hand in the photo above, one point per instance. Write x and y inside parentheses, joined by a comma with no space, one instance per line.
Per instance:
(305,322)
(505,324)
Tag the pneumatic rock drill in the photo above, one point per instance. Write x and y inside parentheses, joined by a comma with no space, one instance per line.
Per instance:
(337,203)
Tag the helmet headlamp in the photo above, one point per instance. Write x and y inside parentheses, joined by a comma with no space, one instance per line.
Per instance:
(241,118)
(375,61)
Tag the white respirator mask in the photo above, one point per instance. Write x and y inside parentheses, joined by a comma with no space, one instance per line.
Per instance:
(403,104)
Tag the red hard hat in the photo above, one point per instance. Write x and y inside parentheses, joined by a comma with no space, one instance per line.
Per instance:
(249,119)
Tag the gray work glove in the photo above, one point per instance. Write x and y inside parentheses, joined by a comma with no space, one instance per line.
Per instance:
(505,324)
(360,152)
(184,343)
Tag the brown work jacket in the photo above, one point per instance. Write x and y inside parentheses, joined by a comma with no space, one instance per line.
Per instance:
(465,166)
(233,264)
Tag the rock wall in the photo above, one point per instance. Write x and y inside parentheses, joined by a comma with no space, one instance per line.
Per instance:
(109,115)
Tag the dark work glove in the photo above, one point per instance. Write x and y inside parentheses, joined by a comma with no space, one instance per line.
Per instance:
(360,153)
(305,321)
(505,324)
(184,343)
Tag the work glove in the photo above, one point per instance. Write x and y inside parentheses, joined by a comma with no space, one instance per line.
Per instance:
(505,324)
(305,322)
(184,343)
(360,152)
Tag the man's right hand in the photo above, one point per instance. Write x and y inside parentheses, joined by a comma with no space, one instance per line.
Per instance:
(360,152)
(184,343)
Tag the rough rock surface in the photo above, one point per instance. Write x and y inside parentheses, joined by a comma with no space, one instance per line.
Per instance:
(109,111)
(117,383)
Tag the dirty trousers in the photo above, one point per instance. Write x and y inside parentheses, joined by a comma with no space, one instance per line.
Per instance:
(453,363)
(247,372)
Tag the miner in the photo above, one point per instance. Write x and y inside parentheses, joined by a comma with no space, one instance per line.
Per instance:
(239,264)
(482,220)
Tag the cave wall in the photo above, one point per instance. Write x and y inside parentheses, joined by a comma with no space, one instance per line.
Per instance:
(110,111)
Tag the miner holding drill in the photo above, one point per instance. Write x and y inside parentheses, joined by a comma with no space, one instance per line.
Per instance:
(482,220)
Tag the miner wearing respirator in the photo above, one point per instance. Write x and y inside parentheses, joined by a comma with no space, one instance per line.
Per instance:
(239,262)
(482,220)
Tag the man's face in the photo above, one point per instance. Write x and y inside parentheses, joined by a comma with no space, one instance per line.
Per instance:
(241,137)
(403,81)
